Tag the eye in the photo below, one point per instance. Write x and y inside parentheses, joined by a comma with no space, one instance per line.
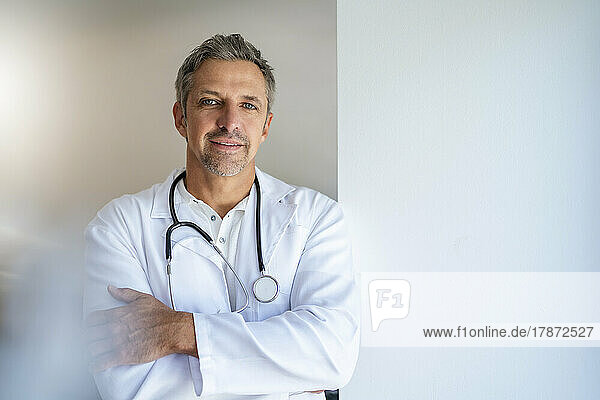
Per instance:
(249,106)
(208,102)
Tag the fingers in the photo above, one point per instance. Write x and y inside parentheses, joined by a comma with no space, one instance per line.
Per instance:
(135,348)
(125,294)
(108,348)
(99,332)
(101,346)
(131,334)
(101,317)
(97,318)
(103,362)
(110,359)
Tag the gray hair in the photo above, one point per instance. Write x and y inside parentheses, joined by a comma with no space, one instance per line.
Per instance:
(220,47)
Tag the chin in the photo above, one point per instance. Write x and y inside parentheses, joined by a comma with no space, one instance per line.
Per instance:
(225,171)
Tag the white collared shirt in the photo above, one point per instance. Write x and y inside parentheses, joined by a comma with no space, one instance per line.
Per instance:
(224,232)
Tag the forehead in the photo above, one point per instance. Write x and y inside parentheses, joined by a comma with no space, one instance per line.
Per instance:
(231,77)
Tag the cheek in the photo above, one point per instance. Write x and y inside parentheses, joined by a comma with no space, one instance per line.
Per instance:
(257,140)
(198,130)
(253,132)
(196,136)
(202,122)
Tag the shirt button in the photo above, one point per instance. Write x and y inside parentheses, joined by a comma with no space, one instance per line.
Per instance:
(212,217)
(221,240)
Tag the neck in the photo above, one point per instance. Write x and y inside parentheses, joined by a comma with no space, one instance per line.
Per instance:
(221,193)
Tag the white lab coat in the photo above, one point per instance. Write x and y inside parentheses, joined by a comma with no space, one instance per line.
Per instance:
(306,339)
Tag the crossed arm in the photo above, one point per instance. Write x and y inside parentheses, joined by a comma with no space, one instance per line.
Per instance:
(144,330)
(311,347)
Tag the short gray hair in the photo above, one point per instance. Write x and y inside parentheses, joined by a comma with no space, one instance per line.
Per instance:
(220,47)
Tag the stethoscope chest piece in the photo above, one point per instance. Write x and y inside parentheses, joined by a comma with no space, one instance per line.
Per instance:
(265,289)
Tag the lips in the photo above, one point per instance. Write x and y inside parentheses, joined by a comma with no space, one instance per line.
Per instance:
(226,143)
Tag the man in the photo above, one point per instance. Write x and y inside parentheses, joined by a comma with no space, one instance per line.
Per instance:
(174,315)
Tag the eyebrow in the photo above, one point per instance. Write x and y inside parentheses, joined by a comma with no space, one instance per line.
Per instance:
(252,98)
(245,97)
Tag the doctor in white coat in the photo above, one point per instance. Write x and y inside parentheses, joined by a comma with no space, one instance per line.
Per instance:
(154,339)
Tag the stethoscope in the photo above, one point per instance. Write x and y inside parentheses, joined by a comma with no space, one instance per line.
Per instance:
(265,287)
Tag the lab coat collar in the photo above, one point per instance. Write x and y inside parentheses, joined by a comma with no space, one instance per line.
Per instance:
(275,217)
(270,187)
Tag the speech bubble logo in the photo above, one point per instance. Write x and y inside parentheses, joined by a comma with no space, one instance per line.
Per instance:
(389,299)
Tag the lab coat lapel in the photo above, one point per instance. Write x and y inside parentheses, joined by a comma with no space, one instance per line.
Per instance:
(246,264)
(275,217)
(275,213)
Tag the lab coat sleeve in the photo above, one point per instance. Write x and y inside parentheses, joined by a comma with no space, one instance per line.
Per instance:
(313,346)
(110,258)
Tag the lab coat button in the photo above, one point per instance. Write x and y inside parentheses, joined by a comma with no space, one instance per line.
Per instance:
(212,217)
(221,240)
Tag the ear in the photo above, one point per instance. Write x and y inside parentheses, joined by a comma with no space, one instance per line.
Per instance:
(265,132)
(179,119)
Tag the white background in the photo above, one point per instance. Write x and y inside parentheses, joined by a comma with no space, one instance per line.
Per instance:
(469,141)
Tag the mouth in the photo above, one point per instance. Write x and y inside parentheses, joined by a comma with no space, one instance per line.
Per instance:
(226,145)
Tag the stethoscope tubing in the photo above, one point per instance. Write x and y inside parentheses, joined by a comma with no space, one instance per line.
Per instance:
(178,224)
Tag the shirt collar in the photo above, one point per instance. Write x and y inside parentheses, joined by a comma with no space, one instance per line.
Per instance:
(190,200)
(270,187)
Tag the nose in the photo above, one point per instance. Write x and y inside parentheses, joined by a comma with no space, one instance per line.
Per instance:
(229,118)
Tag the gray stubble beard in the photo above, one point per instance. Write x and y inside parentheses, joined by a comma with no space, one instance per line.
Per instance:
(220,164)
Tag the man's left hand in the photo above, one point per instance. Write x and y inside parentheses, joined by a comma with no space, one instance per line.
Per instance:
(142,331)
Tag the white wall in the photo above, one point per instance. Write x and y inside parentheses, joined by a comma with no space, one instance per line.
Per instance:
(468,137)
